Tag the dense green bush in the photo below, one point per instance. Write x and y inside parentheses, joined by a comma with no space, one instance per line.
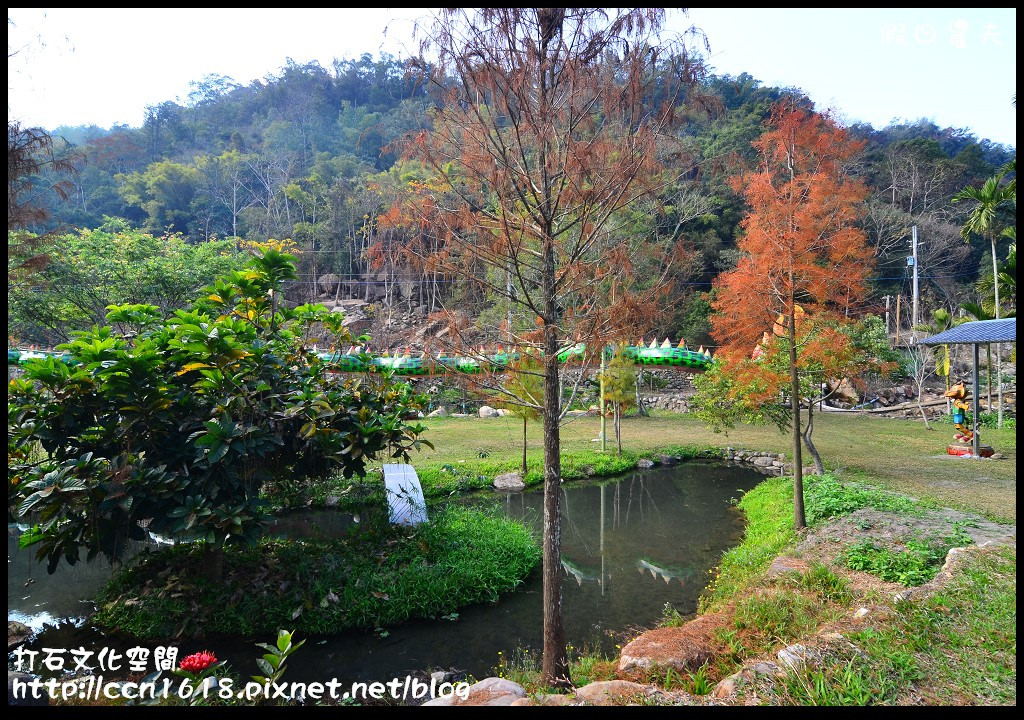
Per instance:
(178,422)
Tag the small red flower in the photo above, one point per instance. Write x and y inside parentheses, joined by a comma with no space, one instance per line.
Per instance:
(198,662)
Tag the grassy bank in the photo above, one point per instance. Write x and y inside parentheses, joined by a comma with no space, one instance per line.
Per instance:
(769,511)
(897,455)
(954,645)
(375,578)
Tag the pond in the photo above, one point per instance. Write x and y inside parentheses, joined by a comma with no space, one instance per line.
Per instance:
(629,546)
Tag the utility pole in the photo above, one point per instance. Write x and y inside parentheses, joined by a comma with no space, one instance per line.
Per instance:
(915,317)
(898,297)
(887,329)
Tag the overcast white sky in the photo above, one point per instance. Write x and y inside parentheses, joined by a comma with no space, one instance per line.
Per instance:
(79,66)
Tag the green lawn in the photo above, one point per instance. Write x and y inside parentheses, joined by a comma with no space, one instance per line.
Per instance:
(897,454)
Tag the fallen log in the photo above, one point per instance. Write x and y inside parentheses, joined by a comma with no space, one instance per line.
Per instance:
(904,406)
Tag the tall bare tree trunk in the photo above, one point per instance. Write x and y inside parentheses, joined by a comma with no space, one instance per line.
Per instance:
(555,665)
(799,520)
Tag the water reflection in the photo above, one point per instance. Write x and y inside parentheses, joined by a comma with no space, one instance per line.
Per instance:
(629,546)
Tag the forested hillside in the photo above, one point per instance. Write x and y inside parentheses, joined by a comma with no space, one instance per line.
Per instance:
(313,155)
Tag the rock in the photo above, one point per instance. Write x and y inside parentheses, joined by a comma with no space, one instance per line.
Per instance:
(763,461)
(612,692)
(861,612)
(666,460)
(438,677)
(440,412)
(588,471)
(459,415)
(17,633)
(555,699)
(682,648)
(523,702)
(328,283)
(208,687)
(490,691)
(797,657)
(810,470)
(778,463)
(644,463)
(843,390)
(997,456)
(332,501)
(726,687)
(509,482)
(782,565)
(746,678)
(486,411)
(24,695)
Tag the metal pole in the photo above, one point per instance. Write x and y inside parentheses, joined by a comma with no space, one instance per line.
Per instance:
(887,329)
(976,443)
(915,317)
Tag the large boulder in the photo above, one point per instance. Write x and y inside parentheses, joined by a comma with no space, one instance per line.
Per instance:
(328,283)
(843,390)
(486,411)
(509,482)
(612,692)
(683,648)
(440,412)
(490,691)
(17,633)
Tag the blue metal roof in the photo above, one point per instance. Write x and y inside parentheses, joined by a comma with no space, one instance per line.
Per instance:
(978,331)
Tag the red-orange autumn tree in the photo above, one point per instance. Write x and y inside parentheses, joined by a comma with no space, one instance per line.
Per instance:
(548,127)
(802,267)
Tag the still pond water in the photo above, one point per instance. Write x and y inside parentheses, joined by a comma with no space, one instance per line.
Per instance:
(629,546)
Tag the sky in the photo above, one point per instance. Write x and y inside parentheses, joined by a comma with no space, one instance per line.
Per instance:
(956,67)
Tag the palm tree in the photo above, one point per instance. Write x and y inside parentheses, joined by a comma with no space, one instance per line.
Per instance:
(1007,279)
(992,198)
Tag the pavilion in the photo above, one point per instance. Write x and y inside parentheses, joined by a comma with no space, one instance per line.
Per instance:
(979,332)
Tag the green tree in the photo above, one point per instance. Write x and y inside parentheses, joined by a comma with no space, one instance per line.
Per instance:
(111,265)
(180,424)
(524,392)
(1007,279)
(619,380)
(165,192)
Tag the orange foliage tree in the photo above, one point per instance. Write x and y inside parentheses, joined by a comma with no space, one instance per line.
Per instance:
(549,126)
(801,252)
